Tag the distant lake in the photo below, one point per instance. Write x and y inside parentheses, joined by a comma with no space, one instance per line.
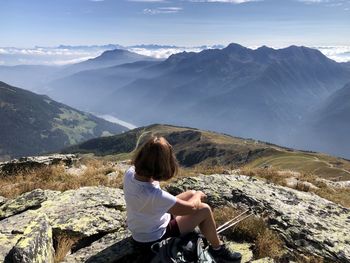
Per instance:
(117,121)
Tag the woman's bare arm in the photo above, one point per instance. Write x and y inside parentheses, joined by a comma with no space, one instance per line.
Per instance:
(187,207)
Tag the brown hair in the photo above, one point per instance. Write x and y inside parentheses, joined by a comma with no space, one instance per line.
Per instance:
(156,160)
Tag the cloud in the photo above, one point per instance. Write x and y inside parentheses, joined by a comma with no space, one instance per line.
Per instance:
(337,53)
(147,1)
(225,1)
(96,0)
(162,10)
(73,54)
(329,2)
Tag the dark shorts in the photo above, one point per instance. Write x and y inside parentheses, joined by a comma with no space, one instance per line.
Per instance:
(172,230)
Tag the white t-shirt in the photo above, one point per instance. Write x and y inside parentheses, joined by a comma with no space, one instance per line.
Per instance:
(146,205)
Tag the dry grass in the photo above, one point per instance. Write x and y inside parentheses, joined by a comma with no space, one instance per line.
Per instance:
(211,169)
(309,259)
(337,195)
(253,229)
(269,174)
(63,244)
(55,177)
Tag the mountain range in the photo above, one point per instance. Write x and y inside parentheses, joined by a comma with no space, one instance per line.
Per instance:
(276,95)
(34,124)
(36,77)
(267,94)
(200,148)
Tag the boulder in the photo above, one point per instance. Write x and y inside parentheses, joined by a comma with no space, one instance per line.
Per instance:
(35,245)
(308,223)
(29,200)
(25,163)
(110,248)
(12,229)
(95,216)
(88,213)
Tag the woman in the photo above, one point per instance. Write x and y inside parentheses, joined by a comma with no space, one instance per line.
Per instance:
(154,214)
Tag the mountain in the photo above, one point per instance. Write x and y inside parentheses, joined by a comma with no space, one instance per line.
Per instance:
(330,124)
(34,124)
(267,94)
(96,84)
(262,93)
(36,78)
(106,59)
(195,147)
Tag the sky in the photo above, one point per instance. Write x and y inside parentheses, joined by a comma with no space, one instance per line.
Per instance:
(277,23)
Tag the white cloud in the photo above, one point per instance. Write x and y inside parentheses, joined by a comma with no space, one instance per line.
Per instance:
(337,53)
(329,2)
(68,55)
(147,1)
(162,10)
(225,1)
(96,0)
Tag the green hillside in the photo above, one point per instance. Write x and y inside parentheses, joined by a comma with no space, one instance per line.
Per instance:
(34,124)
(197,147)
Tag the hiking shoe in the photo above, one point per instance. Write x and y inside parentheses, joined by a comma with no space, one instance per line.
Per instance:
(223,255)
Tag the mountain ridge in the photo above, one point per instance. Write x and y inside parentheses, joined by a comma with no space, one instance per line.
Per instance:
(34,124)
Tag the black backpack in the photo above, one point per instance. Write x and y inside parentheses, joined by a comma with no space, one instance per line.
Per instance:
(192,247)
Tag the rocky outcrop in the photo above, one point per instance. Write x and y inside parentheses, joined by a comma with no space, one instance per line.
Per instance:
(36,244)
(88,213)
(308,223)
(32,224)
(25,163)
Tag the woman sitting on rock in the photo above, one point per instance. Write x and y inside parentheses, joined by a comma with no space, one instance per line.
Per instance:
(154,214)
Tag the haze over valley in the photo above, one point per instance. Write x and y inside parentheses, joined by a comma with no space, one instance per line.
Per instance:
(283,96)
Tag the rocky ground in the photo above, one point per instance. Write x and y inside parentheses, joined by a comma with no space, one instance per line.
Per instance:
(26,163)
(33,224)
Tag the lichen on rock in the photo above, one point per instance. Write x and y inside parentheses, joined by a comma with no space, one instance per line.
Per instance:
(30,200)
(308,223)
(36,244)
(88,212)
(96,215)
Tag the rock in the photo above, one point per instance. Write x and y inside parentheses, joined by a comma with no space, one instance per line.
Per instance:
(112,174)
(88,213)
(295,183)
(123,166)
(263,260)
(36,244)
(25,163)
(96,217)
(80,170)
(2,200)
(339,184)
(30,200)
(244,248)
(308,223)
(12,229)
(110,248)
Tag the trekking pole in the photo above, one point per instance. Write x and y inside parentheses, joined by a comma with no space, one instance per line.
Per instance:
(234,223)
(228,222)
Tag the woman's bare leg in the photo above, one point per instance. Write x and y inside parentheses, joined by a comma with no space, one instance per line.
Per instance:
(203,218)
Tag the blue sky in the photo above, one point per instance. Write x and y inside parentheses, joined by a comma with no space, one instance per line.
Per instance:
(25,23)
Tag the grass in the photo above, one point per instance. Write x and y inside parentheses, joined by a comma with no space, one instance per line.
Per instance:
(266,242)
(325,166)
(55,177)
(63,243)
(337,195)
